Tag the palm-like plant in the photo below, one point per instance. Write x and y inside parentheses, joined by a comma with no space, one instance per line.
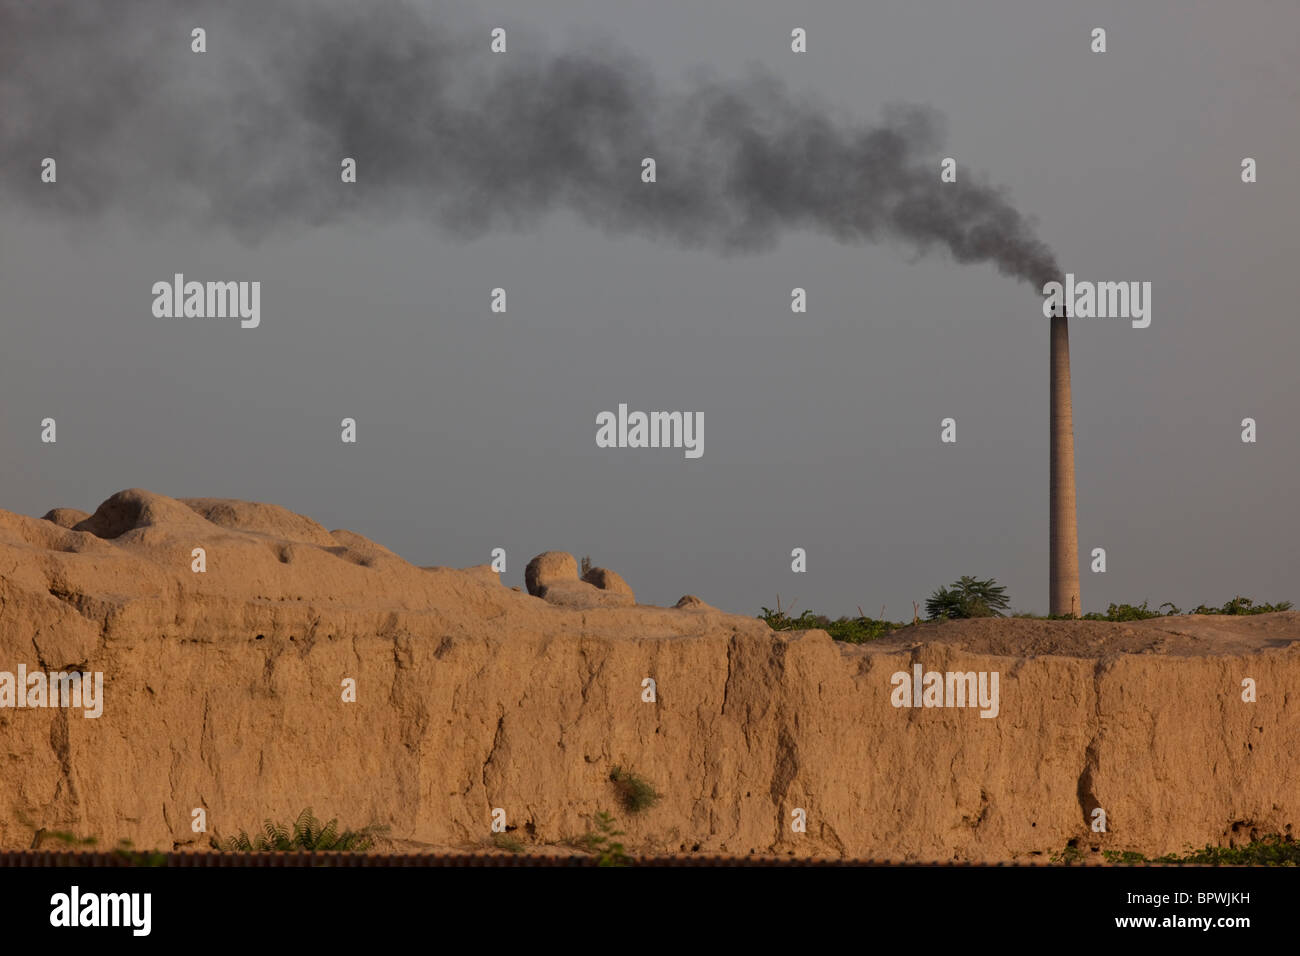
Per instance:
(968,597)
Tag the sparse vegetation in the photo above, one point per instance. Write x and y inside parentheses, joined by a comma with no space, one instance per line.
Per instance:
(307,833)
(586,566)
(852,630)
(69,840)
(967,597)
(1141,612)
(1071,854)
(1132,857)
(505,841)
(1126,612)
(1269,850)
(124,849)
(1239,605)
(636,793)
(601,842)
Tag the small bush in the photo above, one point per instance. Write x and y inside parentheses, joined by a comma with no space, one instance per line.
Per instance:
(601,843)
(635,792)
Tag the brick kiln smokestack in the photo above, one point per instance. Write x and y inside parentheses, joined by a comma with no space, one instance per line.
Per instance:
(1063,532)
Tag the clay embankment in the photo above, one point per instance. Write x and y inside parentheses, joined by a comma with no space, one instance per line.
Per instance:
(223,690)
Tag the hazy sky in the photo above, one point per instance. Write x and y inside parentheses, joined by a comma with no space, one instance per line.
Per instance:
(477,430)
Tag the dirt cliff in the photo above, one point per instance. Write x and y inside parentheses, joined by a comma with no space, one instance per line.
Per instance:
(224,690)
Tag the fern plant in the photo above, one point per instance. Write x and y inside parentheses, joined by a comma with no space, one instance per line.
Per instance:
(306,833)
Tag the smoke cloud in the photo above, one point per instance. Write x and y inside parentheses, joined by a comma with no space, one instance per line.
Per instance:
(249,135)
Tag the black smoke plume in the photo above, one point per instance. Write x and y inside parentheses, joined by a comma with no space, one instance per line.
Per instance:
(250,134)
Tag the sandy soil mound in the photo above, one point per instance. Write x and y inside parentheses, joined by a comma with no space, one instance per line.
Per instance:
(66,517)
(132,510)
(270,520)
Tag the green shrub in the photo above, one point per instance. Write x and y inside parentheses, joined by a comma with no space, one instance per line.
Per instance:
(780,620)
(1269,850)
(1124,612)
(601,843)
(859,630)
(1243,605)
(1140,612)
(851,630)
(635,792)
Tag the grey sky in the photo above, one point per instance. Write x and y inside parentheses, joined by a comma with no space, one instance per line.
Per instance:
(477,430)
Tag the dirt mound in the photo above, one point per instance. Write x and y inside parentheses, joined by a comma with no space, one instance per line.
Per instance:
(608,580)
(270,520)
(132,510)
(65,517)
(549,567)
(553,577)
(1180,635)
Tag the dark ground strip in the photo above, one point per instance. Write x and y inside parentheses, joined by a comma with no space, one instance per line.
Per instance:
(54,858)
